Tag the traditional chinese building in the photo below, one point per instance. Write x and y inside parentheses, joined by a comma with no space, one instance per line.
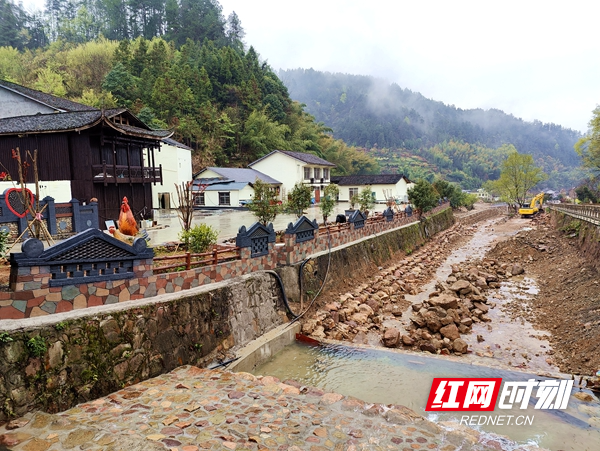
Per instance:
(83,153)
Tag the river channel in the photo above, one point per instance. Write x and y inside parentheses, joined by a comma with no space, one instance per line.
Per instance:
(512,350)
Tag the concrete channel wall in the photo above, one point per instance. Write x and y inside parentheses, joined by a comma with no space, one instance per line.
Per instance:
(52,363)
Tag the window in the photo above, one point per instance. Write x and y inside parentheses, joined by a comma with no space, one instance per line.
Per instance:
(352,192)
(326,173)
(306,173)
(317,173)
(224,198)
(199,199)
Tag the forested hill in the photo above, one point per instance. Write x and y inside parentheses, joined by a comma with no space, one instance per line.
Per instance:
(176,64)
(397,124)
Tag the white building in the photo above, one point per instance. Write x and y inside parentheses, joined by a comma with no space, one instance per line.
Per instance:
(382,186)
(228,187)
(296,167)
(175,159)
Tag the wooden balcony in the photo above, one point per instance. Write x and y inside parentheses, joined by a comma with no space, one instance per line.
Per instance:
(115,174)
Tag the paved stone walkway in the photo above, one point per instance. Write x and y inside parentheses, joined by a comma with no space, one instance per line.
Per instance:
(192,409)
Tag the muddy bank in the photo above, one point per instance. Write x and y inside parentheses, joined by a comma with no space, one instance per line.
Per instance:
(568,302)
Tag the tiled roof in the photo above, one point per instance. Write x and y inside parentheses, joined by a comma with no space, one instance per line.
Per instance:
(46,99)
(54,122)
(245,175)
(77,120)
(304,157)
(377,179)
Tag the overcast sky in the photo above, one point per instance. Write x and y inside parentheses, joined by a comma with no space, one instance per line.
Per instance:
(533,59)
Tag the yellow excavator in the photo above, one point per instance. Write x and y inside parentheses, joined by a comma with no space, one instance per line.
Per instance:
(526,211)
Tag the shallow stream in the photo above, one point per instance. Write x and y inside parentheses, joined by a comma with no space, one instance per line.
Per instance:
(392,377)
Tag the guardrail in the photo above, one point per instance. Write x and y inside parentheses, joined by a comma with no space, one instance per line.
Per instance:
(190,260)
(585,212)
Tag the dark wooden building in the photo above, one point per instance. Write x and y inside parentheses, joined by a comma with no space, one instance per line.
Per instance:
(105,154)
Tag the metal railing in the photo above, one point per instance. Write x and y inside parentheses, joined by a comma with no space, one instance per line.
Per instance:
(585,212)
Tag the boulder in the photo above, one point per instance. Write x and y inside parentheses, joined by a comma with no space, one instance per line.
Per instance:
(462,286)
(432,321)
(516,270)
(407,340)
(391,337)
(484,308)
(450,331)
(309,326)
(444,301)
(460,345)
(360,318)
(428,347)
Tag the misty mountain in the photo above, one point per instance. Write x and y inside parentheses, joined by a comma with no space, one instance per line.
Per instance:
(389,120)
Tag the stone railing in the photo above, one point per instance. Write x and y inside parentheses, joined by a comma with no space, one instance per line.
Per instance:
(585,212)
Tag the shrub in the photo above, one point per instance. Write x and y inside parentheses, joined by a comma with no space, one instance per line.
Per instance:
(299,199)
(366,199)
(199,238)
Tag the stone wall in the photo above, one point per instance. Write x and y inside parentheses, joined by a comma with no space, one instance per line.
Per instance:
(481,215)
(357,258)
(54,362)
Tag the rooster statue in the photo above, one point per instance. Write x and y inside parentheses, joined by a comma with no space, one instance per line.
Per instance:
(127,223)
(128,228)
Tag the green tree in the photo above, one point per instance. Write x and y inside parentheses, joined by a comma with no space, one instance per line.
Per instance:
(423,196)
(299,199)
(261,135)
(328,201)
(518,176)
(366,201)
(121,84)
(264,204)
(588,147)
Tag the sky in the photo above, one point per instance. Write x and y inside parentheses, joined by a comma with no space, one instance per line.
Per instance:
(533,59)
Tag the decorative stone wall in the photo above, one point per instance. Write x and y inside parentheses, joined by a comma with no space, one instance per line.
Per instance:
(43,301)
(33,295)
(55,362)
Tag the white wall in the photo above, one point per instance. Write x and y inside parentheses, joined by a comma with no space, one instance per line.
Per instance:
(399,191)
(60,190)
(176,168)
(211,198)
(16,105)
(287,170)
(209,174)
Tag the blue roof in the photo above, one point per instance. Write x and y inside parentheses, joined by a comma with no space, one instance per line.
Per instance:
(241,175)
(233,186)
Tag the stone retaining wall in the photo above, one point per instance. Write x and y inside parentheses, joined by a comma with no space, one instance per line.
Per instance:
(55,362)
(347,262)
(481,215)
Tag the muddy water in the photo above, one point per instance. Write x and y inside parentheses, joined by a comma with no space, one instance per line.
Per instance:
(395,377)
